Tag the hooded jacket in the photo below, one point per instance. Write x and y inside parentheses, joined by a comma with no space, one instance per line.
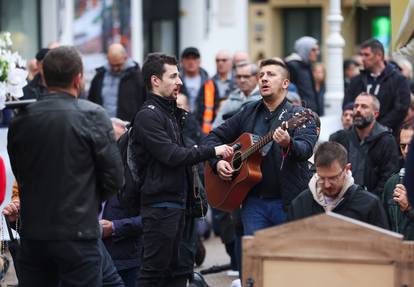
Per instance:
(131,91)
(373,160)
(300,69)
(353,202)
(391,89)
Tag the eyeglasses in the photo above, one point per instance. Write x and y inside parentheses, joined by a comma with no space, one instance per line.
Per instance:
(221,60)
(330,179)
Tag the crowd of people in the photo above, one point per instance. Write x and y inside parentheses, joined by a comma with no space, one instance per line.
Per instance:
(76,230)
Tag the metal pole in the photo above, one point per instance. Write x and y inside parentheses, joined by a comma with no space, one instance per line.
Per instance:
(335,43)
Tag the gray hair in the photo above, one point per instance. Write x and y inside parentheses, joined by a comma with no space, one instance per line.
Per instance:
(253,67)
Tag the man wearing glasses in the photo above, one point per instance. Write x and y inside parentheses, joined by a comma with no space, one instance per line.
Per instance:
(332,188)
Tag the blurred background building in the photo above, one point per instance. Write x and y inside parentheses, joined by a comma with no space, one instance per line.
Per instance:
(264,28)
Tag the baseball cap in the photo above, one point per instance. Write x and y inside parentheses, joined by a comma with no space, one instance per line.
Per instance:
(190,51)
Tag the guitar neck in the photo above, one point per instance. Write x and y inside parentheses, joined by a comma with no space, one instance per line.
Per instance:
(264,140)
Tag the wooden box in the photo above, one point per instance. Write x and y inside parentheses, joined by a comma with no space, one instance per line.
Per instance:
(327,250)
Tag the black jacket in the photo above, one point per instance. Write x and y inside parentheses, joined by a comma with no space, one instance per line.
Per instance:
(66,161)
(131,93)
(34,88)
(357,204)
(295,174)
(393,93)
(382,160)
(164,163)
(301,76)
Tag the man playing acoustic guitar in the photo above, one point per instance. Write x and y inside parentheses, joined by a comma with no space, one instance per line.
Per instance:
(283,161)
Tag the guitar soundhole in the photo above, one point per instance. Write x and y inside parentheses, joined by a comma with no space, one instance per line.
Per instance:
(237,161)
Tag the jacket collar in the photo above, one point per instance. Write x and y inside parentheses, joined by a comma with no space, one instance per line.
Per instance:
(168,105)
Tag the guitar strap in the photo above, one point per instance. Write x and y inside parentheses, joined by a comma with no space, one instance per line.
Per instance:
(278,120)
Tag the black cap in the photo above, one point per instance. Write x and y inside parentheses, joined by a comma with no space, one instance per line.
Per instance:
(190,51)
(41,54)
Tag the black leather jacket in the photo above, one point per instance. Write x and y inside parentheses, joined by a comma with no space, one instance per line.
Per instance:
(65,159)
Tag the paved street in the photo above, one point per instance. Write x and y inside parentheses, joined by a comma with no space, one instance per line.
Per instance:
(216,255)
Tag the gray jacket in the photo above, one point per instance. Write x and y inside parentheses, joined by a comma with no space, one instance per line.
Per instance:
(234,103)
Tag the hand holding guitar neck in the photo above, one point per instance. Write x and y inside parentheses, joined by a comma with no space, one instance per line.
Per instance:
(282,137)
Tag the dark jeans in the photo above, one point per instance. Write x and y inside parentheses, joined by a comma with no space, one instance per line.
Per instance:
(162,235)
(48,262)
(258,213)
(130,276)
(110,276)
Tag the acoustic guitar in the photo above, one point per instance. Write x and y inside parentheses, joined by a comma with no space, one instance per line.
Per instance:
(228,195)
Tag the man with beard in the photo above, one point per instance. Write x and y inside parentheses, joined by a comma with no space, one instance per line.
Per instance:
(372,149)
(332,188)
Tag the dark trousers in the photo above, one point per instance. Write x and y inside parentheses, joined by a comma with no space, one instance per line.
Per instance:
(130,276)
(48,262)
(162,235)
(110,276)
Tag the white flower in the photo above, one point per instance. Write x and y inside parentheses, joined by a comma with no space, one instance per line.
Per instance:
(12,73)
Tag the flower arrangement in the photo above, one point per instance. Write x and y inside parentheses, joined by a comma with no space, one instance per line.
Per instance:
(12,71)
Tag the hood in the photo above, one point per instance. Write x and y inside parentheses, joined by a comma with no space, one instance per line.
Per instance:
(303,46)
(377,132)
(320,198)
(388,71)
(293,57)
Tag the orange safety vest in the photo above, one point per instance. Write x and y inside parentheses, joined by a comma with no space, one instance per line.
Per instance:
(208,114)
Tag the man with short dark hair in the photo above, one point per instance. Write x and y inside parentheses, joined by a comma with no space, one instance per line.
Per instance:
(284,166)
(72,164)
(118,85)
(347,116)
(371,147)
(384,81)
(332,188)
(164,169)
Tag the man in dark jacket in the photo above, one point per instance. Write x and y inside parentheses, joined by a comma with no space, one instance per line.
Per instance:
(300,68)
(372,149)
(36,87)
(395,199)
(164,168)
(385,82)
(118,86)
(332,188)
(72,164)
(284,166)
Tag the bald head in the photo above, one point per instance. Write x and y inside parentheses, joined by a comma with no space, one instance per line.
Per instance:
(117,57)
(223,62)
(239,57)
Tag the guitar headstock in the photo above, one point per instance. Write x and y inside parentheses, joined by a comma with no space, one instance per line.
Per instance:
(300,119)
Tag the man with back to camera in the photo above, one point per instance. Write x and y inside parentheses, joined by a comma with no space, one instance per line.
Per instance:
(72,165)
(164,168)
(332,188)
